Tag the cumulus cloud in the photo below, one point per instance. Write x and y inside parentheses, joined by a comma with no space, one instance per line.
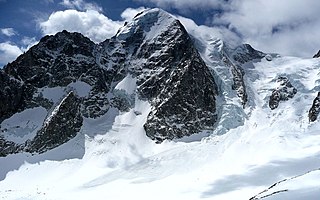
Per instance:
(8,32)
(90,23)
(8,52)
(80,5)
(203,32)
(289,27)
(129,13)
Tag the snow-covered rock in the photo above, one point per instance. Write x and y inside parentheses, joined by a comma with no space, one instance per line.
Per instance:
(315,109)
(317,55)
(61,125)
(283,92)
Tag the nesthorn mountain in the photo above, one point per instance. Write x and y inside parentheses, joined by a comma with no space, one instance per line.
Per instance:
(155,102)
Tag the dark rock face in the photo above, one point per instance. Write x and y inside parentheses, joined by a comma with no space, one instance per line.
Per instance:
(238,80)
(245,53)
(317,55)
(315,109)
(283,93)
(242,54)
(11,93)
(62,125)
(56,61)
(187,109)
(180,88)
(95,105)
(234,59)
(238,84)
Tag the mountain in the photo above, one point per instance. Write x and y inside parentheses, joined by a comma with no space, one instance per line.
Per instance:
(156,107)
(153,52)
(317,55)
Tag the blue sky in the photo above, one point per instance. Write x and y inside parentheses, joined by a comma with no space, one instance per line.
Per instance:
(289,27)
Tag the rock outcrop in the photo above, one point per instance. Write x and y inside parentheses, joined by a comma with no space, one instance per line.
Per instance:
(12,96)
(234,58)
(284,92)
(317,55)
(315,109)
(60,126)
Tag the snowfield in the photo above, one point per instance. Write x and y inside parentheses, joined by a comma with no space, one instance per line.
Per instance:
(253,153)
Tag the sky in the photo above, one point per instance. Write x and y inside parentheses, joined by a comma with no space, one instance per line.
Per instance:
(288,27)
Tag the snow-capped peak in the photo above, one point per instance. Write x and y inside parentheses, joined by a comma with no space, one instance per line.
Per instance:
(150,21)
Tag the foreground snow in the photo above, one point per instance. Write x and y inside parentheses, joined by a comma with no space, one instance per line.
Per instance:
(273,155)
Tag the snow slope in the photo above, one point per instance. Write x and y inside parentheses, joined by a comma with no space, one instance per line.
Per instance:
(20,127)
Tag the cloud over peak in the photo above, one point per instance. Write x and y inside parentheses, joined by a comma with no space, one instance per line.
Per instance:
(129,13)
(90,23)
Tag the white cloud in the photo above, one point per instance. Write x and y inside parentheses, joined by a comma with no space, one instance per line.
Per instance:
(203,32)
(90,23)
(80,5)
(287,26)
(129,13)
(28,42)
(8,52)
(8,32)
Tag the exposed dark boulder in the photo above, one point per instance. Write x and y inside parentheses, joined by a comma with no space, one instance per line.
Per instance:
(315,109)
(317,55)
(284,92)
